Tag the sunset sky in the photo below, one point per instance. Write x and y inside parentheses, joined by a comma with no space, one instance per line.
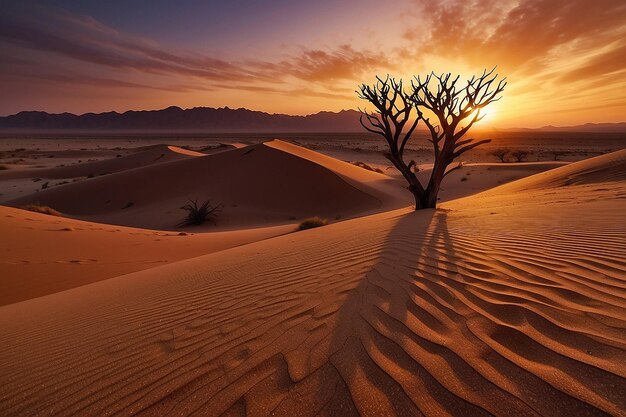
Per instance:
(565,59)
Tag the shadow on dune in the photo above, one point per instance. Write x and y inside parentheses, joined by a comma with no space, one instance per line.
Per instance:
(381,309)
(438,326)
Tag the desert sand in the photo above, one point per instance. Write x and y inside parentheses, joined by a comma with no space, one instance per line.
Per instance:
(510,301)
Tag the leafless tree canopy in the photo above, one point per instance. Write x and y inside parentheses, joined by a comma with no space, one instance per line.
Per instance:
(519,155)
(447,108)
(392,115)
(501,153)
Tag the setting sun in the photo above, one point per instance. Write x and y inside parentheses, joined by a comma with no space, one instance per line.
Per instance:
(297,59)
(487,115)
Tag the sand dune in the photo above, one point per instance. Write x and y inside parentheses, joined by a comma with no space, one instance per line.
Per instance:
(509,303)
(47,254)
(146,156)
(605,168)
(257,185)
(473,178)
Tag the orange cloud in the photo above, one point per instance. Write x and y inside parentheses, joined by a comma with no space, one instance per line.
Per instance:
(559,57)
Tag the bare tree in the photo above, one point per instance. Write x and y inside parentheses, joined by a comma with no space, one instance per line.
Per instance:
(392,115)
(519,155)
(556,154)
(501,153)
(451,106)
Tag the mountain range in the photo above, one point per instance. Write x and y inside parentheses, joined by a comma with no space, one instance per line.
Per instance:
(224,119)
(587,127)
(198,118)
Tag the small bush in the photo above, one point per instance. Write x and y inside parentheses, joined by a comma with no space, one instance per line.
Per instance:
(501,154)
(312,222)
(41,209)
(556,154)
(365,166)
(197,215)
(519,155)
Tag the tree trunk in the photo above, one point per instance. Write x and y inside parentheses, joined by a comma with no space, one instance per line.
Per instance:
(419,197)
(429,198)
(425,200)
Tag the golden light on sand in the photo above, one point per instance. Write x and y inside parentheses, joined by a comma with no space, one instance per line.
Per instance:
(248,310)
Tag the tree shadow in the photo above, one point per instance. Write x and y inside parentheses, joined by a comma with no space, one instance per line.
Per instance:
(379,309)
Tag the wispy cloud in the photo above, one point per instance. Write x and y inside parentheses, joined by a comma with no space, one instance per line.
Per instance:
(557,53)
(83,38)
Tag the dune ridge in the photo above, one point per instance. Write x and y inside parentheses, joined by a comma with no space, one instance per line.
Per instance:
(257,185)
(604,168)
(508,303)
(145,156)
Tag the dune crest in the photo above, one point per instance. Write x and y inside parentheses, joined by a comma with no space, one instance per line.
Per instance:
(505,303)
(144,157)
(604,168)
(257,185)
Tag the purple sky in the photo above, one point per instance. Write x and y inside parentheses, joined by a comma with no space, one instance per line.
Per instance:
(564,59)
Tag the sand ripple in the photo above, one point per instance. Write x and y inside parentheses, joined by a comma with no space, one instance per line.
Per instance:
(507,305)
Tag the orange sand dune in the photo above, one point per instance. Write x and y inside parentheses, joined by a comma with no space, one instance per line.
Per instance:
(473,178)
(605,168)
(389,191)
(145,156)
(257,185)
(43,254)
(507,303)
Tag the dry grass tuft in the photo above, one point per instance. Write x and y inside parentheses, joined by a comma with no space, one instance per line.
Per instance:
(365,166)
(37,208)
(199,214)
(312,222)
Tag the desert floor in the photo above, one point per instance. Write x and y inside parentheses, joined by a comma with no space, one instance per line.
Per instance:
(508,300)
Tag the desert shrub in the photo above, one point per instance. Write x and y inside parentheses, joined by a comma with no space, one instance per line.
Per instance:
(365,166)
(312,222)
(519,155)
(501,154)
(199,214)
(37,208)
(556,154)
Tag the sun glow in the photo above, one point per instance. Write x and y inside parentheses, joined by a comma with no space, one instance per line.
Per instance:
(486,115)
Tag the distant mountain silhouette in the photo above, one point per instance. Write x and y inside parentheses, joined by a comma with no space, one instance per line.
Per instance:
(587,127)
(207,119)
(198,119)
